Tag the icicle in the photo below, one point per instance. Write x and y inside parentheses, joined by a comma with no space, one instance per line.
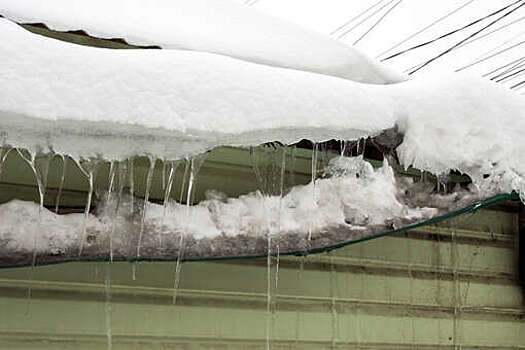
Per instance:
(164,167)
(281,194)
(89,172)
(107,307)
(195,165)
(167,195)
(149,178)
(41,179)
(314,176)
(364,146)
(111,181)
(61,183)
(255,167)
(184,177)
(314,167)
(131,185)
(122,170)
(293,165)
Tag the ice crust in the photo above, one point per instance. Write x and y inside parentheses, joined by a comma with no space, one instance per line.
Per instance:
(218,26)
(172,104)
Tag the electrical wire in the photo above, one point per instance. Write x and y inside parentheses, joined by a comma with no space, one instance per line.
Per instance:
(489,57)
(425,28)
(518,61)
(451,32)
(522,84)
(354,18)
(511,76)
(378,21)
(467,38)
(508,71)
(364,20)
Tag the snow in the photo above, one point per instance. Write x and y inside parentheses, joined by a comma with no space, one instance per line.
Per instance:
(173,104)
(217,26)
(377,201)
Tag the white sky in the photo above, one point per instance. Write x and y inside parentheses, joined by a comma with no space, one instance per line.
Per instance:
(407,18)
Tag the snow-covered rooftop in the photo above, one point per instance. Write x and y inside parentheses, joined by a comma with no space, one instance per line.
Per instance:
(171,103)
(218,26)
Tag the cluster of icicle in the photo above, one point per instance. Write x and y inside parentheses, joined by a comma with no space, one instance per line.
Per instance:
(346,201)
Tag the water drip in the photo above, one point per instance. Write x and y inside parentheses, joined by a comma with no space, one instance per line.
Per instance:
(108,307)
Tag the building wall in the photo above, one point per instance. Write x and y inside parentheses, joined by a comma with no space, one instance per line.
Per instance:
(439,286)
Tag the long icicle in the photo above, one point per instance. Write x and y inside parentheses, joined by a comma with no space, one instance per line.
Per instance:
(131,178)
(122,170)
(149,179)
(314,176)
(107,284)
(195,165)
(89,173)
(167,195)
(41,191)
(61,183)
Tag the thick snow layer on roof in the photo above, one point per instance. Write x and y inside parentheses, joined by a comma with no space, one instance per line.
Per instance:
(218,26)
(85,101)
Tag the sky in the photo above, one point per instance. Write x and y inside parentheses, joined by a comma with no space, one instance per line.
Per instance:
(391,26)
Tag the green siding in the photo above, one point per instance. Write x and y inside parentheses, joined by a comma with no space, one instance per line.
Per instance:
(425,289)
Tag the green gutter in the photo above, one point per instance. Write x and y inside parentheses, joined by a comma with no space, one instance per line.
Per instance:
(499,199)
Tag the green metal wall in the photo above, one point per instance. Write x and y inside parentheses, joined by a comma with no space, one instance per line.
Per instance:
(439,286)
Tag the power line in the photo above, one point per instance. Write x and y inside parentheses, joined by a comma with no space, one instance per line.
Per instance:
(489,57)
(478,57)
(508,71)
(467,38)
(493,31)
(519,60)
(365,19)
(356,17)
(488,52)
(451,32)
(515,75)
(522,84)
(378,21)
(425,28)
